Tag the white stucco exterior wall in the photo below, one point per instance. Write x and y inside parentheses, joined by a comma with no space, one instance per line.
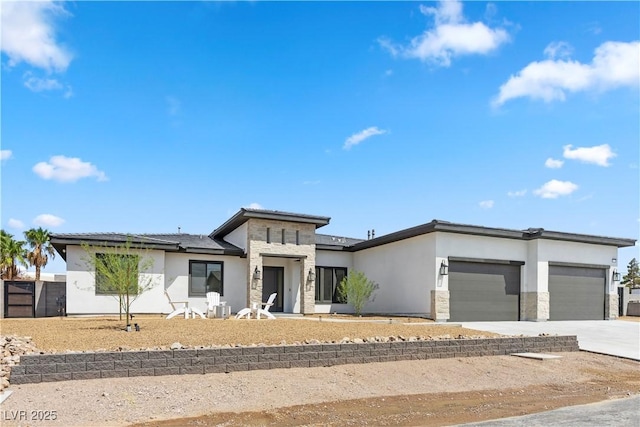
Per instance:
(238,237)
(404,271)
(81,296)
(176,280)
(325,258)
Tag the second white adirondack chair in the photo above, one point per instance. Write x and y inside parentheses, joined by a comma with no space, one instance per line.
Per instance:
(258,308)
(213,300)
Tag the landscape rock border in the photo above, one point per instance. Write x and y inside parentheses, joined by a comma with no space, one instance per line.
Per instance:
(35,368)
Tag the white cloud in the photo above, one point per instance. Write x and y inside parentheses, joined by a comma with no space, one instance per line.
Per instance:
(517,193)
(48,220)
(554,189)
(553,163)
(29,34)
(254,205)
(558,50)
(615,64)
(597,155)
(67,169)
(15,223)
(450,37)
(5,154)
(37,84)
(486,204)
(357,138)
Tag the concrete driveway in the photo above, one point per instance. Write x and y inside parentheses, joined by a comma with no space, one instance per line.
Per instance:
(613,337)
(620,412)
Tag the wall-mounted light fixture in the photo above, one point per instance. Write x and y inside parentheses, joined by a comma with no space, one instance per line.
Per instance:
(616,276)
(256,274)
(444,269)
(311,280)
(614,260)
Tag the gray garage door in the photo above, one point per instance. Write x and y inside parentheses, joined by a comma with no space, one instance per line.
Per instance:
(576,293)
(481,291)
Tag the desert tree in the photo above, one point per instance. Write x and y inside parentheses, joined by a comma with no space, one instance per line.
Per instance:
(357,289)
(120,271)
(12,255)
(39,240)
(632,278)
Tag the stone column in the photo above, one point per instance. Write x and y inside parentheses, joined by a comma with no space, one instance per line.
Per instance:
(440,306)
(254,291)
(534,306)
(307,289)
(611,306)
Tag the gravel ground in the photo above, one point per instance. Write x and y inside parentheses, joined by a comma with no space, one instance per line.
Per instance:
(272,394)
(429,392)
(105,333)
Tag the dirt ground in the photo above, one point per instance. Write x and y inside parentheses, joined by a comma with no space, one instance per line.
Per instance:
(423,392)
(59,334)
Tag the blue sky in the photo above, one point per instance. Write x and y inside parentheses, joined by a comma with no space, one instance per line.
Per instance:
(145,116)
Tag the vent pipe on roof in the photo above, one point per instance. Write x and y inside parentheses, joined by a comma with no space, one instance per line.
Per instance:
(368,234)
(373,233)
(178,229)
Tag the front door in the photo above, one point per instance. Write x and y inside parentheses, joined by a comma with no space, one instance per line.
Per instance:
(273,281)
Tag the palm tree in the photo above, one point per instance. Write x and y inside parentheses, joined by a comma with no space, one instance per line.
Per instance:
(39,240)
(12,254)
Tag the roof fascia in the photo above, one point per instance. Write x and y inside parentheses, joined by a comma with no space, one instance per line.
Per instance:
(243,215)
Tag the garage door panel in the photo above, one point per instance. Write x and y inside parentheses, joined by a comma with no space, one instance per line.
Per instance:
(576,293)
(483,292)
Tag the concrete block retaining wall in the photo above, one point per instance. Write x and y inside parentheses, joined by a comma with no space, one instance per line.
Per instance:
(82,366)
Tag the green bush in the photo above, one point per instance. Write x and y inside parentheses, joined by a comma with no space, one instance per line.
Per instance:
(357,290)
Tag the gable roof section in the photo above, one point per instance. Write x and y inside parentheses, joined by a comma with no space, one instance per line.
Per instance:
(244,214)
(190,243)
(528,234)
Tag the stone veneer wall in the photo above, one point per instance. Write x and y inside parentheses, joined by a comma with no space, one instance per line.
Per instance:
(440,306)
(305,250)
(611,306)
(534,306)
(80,366)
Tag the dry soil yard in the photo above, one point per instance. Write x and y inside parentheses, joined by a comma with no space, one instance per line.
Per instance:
(428,392)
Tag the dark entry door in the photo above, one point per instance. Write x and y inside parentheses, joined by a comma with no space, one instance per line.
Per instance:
(273,281)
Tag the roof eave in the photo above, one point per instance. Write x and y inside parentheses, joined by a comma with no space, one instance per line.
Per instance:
(244,214)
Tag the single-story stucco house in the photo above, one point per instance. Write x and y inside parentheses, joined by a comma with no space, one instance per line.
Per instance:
(441,270)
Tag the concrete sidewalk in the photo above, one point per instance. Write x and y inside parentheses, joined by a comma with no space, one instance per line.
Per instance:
(619,412)
(613,337)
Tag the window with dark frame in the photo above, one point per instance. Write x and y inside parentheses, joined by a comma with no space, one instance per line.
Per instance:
(268,235)
(103,282)
(283,239)
(328,280)
(297,237)
(206,276)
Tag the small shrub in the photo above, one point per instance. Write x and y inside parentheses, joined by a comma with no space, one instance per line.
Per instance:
(357,290)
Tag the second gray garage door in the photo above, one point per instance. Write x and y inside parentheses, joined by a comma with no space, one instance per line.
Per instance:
(483,292)
(576,293)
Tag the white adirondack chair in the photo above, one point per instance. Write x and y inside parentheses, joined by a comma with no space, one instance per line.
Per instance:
(185,309)
(258,308)
(213,300)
